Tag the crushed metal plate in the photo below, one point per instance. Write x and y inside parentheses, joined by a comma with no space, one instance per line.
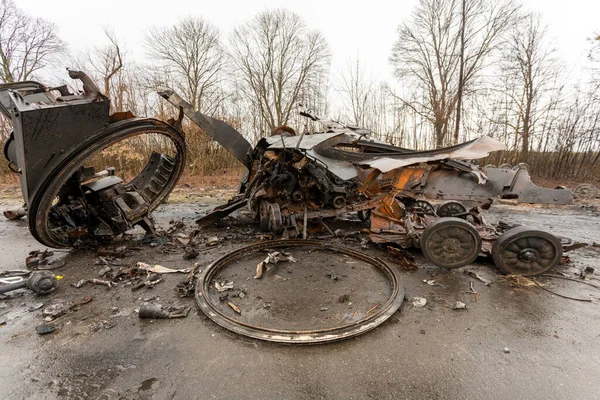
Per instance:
(308,292)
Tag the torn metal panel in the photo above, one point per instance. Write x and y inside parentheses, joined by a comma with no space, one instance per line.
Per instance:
(341,169)
(307,142)
(223,133)
(472,150)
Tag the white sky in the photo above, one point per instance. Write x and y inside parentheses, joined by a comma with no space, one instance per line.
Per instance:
(351,27)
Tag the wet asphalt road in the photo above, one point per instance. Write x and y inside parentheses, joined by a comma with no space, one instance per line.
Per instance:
(104,351)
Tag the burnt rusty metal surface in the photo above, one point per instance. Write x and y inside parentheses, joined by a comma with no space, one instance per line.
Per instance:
(223,133)
(504,183)
(55,133)
(293,179)
(264,323)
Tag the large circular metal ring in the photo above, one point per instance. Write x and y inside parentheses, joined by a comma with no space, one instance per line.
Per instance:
(45,196)
(354,328)
(525,251)
(450,243)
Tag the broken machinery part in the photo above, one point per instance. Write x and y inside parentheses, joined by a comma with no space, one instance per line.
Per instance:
(57,143)
(39,282)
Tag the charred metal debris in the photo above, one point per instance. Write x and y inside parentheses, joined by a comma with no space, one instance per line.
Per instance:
(55,136)
(291,180)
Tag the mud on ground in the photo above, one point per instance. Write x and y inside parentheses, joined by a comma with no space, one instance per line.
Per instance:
(514,340)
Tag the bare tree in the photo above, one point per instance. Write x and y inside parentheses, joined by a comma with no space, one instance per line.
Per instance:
(192,54)
(357,91)
(278,59)
(444,48)
(530,72)
(107,64)
(26,44)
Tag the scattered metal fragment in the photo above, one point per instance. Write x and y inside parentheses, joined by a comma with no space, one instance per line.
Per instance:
(212,241)
(15,272)
(183,238)
(153,311)
(38,258)
(15,212)
(223,286)
(159,269)
(190,253)
(475,275)
(35,307)
(459,306)
(272,259)
(45,329)
(80,283)
(118,252)
(157,311)
(104,271)
(404,258)
(506,350)
(419,302)
(57,310)
(234,307)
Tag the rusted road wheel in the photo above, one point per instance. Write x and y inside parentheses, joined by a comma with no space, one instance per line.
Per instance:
(525,251)
(425,206)
(451,208)
(270,217)
(521,165)
(450,243)
(585,191)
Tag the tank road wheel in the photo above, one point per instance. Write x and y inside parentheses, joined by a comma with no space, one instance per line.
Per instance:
(525,251)
(505,166)
(585,191)
(490,166)
(263,215)
(270,217)
(425,206)
(521,165)
(450,243)
(451,208)
(275,220)
(561,188)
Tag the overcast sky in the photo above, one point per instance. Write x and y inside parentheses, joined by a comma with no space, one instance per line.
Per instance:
(351,27)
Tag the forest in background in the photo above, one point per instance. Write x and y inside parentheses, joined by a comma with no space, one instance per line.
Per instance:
(462,69)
